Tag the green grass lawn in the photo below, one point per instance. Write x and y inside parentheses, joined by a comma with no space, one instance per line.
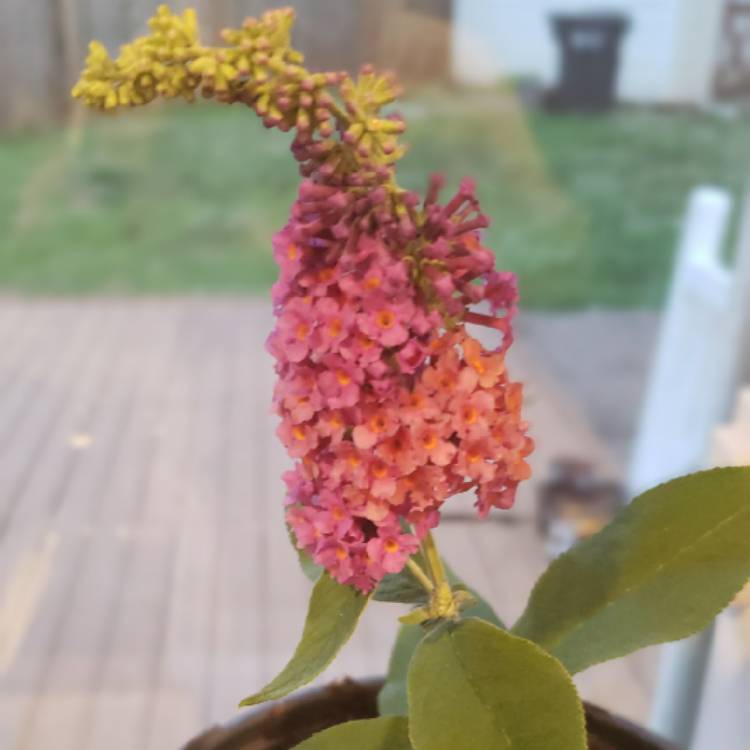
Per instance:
(173,199)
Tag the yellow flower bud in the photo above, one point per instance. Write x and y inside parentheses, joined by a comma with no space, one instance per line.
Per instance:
(259,67)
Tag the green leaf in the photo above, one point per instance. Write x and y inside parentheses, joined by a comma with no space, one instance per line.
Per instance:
(400,588)
(385,733)
(416,616)
(403,587)
(332,615)
(392,696)
(480,609)
(309,568)
(662,570)
(472,685)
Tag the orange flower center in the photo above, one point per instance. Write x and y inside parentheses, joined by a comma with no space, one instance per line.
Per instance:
(334,327)
(302,331)
(470,415)
(338,514)
(372,282)
(377,424)
(473,457)
(478,365)
(354,460)
(341,553)
(325,274)
(429,441)
(391,546)
(385,319)
(292,252)
(343,378)
(298,433)
(379,471)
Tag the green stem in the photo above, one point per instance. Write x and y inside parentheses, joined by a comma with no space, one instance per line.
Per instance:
(434,560)
(421,576)
(443,604)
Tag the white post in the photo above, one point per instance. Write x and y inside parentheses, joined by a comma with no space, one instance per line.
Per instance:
(687,397)
(679,690)
(724,722)
(717,360)
(742,295)
(690,377)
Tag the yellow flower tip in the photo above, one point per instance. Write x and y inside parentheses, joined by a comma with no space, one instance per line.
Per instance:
(190,19)
(259,67)
(97,49)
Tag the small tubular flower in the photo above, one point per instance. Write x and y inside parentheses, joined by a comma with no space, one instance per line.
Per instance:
(390,406)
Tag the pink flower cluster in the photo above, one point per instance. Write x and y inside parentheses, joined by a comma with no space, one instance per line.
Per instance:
(387,404)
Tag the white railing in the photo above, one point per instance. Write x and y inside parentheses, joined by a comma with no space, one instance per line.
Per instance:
(702,344)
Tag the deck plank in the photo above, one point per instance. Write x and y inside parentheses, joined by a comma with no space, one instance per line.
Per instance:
(235,658)
(179,700)
(130,642)
(92,527)
(39,522)
(153,564)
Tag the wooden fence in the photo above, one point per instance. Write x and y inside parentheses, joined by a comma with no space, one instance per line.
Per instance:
(43,42)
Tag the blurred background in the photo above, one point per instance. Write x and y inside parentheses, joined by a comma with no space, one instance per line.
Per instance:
(146,583)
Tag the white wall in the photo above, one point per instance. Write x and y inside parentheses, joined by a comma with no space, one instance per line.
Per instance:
(666,54)
(696,52)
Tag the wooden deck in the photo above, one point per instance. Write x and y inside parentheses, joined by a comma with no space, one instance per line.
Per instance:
(146,581)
